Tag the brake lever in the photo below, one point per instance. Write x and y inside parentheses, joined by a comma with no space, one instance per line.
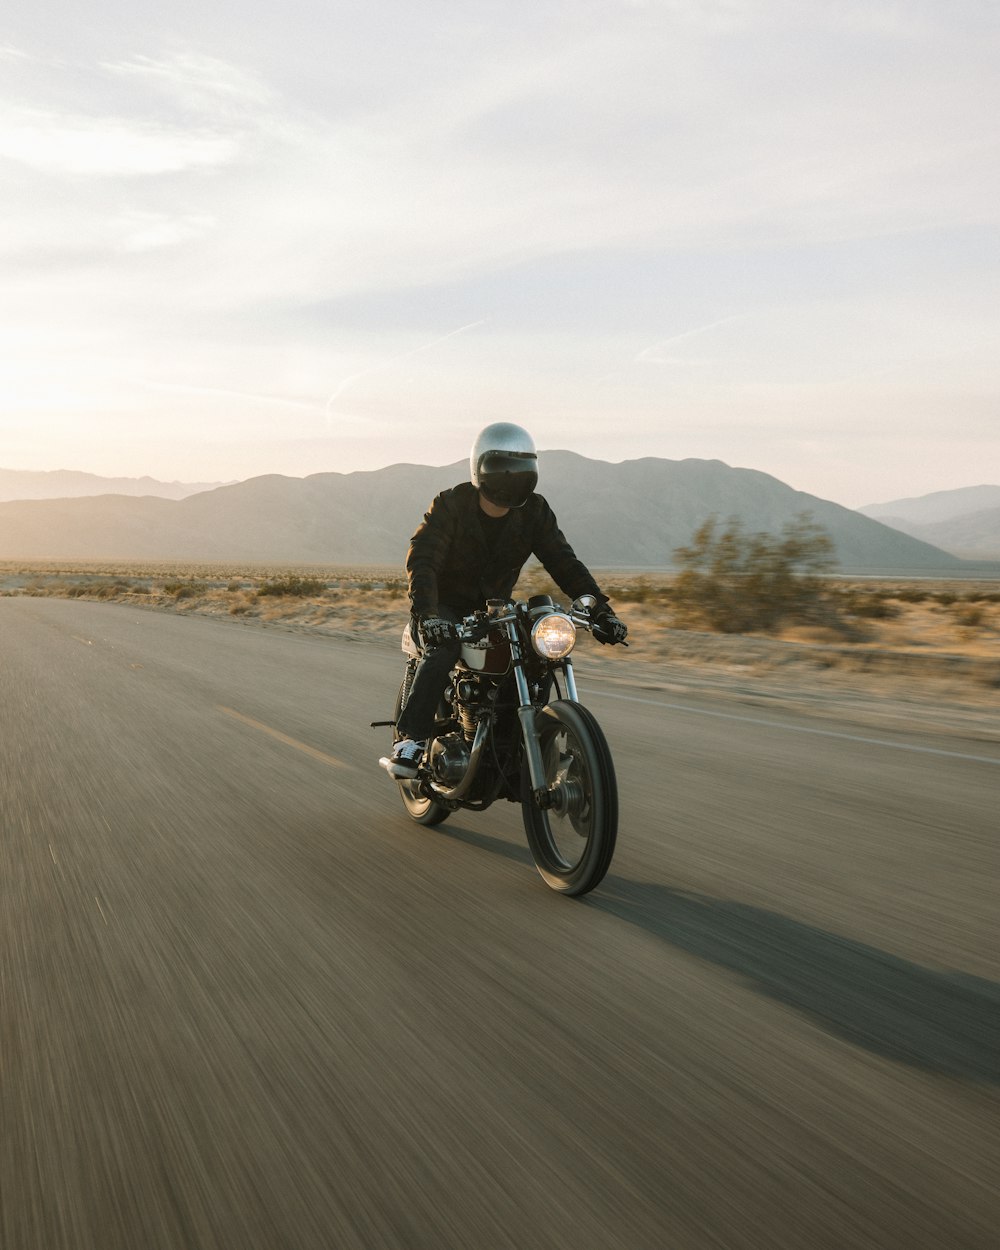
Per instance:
(477,631)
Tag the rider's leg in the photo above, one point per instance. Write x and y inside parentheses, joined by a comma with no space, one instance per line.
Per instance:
(417,718)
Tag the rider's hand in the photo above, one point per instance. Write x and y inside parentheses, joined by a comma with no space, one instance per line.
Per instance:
(608,628)
(434,630)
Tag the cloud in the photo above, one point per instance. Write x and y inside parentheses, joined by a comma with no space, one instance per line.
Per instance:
(658,129)
(107,146)
(258,213)
(250,397)
(344,383)
(149,231)
(654,354)
(198,81)
(175,113)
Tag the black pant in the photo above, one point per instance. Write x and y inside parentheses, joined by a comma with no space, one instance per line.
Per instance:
(417,719)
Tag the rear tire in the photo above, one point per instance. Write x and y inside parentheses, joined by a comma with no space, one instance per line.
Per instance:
(573,841)
(423,810)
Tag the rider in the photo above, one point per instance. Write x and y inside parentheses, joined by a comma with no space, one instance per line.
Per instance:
(470,547)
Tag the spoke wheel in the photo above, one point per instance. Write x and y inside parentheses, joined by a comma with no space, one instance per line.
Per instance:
(572,841)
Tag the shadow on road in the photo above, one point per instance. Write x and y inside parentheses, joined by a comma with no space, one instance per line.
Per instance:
(943,1022)
(509,850)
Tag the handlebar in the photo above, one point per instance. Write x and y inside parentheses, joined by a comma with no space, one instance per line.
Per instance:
(474,628)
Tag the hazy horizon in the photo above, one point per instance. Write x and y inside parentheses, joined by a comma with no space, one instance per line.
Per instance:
(439,464)
(244,240)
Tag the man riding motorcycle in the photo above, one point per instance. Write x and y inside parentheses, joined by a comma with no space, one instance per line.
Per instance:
(471,546)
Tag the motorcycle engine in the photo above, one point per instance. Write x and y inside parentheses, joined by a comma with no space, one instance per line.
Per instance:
(449,758)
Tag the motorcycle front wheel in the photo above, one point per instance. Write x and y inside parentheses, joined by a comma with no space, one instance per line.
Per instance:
(573,840)
(423,810)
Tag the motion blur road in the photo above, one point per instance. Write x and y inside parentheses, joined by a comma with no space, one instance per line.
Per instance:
(246,1003)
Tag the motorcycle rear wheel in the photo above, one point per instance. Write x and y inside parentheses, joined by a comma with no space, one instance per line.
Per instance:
(573,841)
(423,810)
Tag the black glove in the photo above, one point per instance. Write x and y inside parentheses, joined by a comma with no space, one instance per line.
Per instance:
(607,627)
(434,630)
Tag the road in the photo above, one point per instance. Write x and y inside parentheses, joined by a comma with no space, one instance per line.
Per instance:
(246,1003)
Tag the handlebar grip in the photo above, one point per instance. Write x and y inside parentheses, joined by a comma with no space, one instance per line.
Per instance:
(474,633)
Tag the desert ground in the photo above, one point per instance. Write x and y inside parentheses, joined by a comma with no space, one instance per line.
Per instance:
(910,652)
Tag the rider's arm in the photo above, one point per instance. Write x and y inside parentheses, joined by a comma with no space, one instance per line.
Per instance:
(425,557)
(559,559)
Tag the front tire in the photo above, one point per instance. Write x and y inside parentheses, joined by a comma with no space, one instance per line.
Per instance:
(572,841)
(423,810)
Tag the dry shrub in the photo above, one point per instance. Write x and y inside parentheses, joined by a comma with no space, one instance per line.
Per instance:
(640,590)
(734,582)
(243,604)
(293,586)
(869,604)
(971,617)
(535,581)
(184,589)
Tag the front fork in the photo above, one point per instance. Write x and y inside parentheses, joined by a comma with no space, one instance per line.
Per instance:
(526,715)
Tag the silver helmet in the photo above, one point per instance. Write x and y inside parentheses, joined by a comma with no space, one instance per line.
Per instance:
(504,464)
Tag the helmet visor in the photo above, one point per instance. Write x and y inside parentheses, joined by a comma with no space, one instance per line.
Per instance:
(508,478)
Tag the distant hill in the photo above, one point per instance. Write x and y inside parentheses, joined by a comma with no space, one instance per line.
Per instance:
(629,515)
(972,536)
(940,505)
(964,522)
(69,484)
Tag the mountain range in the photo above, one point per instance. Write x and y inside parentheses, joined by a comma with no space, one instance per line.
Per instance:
(628,515)
(70,484)
(965,522)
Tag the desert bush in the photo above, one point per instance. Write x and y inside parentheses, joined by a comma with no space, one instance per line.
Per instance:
(872,605)
(735,582)
(184,590)
(112,590)
(642,590)
(94,587)
(292,585)
(971,616)
(535,581)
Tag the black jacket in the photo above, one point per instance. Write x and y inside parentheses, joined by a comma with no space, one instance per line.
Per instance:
(449,561)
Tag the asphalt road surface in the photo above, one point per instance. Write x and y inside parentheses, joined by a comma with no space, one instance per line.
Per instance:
(246,1003)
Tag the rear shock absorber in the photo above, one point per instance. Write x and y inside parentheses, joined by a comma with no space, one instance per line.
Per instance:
(466,696)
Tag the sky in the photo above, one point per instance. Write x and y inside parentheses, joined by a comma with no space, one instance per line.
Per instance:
(255,238)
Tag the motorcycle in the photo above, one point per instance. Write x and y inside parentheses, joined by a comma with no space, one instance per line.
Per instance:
(500,734)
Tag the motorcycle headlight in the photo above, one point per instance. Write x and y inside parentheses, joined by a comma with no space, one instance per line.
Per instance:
(553,636)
